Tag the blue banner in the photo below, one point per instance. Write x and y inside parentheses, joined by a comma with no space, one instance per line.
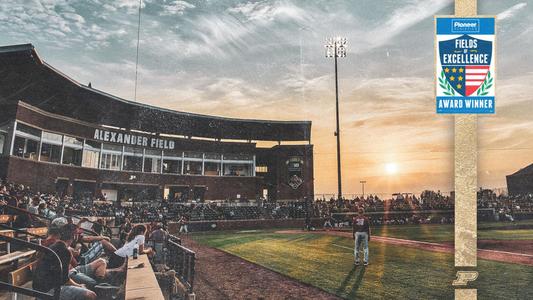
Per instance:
(465,105)
(450,25)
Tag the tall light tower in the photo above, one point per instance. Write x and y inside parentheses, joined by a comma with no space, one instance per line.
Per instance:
(362,182)
(336,47)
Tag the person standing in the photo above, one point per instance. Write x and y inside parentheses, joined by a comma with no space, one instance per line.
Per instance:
(184,224)
(361,235)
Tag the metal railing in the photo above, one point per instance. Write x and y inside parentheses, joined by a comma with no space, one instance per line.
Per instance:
(26,291)
(46,220)
(182,260)
(24,231)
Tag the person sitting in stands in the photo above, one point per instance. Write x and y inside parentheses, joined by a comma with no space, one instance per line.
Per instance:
(23,219)
(90,274)
(60,212)
(45,212)
(98,227)
(48,275)
(98,244)
(12,201)
(34,205)
(134,239)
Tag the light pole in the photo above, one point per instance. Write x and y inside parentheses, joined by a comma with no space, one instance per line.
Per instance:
(336,47)
(362,182)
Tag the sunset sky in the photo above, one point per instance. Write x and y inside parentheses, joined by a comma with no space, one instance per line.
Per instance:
(266,60)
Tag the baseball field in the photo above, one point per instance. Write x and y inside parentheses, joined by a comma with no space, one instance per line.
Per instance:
(406,261)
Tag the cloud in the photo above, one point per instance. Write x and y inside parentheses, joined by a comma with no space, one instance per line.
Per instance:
(298,82)
(130,5)
(63,24)
(176,8)
(266,12)
(402,19)
(510,12)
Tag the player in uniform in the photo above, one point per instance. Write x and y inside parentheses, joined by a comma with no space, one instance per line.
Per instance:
(361,235)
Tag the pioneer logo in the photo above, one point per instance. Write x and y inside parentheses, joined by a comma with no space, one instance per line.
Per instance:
(465,25)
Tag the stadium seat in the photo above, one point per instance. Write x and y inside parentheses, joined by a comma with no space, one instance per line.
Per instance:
(21,277)
(15,256)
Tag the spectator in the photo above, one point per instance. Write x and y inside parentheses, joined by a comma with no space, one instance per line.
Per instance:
(134,240)
(48,275)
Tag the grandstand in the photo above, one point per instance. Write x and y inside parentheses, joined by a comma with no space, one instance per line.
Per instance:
(23,253)
(59,135)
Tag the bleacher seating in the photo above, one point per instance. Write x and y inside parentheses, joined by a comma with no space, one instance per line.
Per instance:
(21,277)
(18,265)
(15,256)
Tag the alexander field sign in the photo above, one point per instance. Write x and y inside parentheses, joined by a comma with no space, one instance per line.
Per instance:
(465,65)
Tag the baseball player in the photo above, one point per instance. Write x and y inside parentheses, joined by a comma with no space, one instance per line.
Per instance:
(361,235)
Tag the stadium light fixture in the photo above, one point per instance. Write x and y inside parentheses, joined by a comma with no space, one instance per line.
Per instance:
(362,182)
(336,47)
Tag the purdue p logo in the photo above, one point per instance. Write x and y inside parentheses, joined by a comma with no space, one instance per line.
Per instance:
(463,277)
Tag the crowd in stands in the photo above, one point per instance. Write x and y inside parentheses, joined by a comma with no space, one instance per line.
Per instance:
(506,207)
(47,204)
(93,264)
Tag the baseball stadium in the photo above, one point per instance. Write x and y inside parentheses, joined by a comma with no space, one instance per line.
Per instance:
(265,149)
(106,198)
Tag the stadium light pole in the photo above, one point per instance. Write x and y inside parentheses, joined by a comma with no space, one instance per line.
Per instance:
(362,182)
(336,47)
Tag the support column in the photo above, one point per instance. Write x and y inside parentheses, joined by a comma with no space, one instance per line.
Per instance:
(465,180)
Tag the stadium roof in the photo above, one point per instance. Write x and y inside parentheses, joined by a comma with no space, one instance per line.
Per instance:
(27,78)
(524,171)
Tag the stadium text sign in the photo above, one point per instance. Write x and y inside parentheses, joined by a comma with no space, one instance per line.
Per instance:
(132,139)
(464,73)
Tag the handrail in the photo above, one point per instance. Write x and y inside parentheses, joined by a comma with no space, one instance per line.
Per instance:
(42,217)
(31,292)
(20,230)
(26,212)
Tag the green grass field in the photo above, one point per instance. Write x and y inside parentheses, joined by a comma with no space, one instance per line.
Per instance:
(437,233)
(395,272)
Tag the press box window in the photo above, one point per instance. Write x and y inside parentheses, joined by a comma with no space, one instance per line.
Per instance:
(72,151)
(211,169)
(91,154)
(133,159)
(51,147)
(3,138)
(152,161)
(27,141)
(50,153)
(26,148)
(192,168)
(237,169)
(172,161)
(171,166)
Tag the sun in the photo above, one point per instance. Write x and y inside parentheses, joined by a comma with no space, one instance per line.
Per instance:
(391,168)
